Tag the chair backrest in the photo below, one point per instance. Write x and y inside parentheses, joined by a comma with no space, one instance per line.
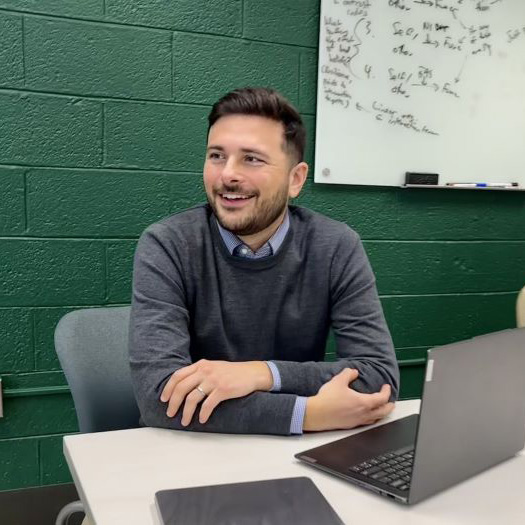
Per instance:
(92,347)
(520,309)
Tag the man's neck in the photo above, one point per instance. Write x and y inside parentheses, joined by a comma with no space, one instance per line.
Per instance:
(256,240)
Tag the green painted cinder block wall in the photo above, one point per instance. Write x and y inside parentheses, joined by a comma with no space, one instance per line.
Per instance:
(103,108)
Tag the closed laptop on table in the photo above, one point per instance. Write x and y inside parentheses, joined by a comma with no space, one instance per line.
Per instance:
(286,501)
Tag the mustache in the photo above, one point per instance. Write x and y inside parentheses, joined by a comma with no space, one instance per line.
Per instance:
(234,188)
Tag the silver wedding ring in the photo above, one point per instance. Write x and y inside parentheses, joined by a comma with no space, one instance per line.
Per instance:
(201,391)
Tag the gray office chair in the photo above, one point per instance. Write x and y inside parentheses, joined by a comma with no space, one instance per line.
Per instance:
(92,347)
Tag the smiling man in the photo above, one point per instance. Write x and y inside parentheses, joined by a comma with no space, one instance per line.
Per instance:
(233,300)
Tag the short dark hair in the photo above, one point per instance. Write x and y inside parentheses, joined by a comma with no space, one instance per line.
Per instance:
(264,102)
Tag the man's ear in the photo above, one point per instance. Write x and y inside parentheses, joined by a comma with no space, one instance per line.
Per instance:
(298,176)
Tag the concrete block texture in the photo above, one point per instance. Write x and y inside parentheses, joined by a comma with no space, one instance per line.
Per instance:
(80,8)
(27,462)
(284,22)
(308,81)
(12,202)
(48,130)
(419,268)
(185,190)
(222,17)
(11,51)
(18,463)
(38,416)
(204,67)
(86,58)
(441,319)
(36,379)
(103,203)
(16,340)
(155,136)
(45,322)
(120,270)
(51,272)
(53,465)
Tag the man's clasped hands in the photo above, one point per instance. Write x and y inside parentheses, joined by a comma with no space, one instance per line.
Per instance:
(209,383)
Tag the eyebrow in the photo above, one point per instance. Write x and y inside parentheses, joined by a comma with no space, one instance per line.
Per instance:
(244,150)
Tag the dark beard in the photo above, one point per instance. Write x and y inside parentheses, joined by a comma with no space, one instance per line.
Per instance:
(255,224)
(263,217)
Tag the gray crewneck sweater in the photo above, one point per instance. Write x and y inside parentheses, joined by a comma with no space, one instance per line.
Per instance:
(193,300)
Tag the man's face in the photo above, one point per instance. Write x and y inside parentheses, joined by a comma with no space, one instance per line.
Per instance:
(247,173)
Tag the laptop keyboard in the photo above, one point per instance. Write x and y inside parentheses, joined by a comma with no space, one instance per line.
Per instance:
(393,468)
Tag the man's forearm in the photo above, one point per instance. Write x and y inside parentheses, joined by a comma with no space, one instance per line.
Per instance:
(337,406)
(257,413)
(305,379)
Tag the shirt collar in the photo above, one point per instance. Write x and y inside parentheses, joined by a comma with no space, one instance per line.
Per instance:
(275,241)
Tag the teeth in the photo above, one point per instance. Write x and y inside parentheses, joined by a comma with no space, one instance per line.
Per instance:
(234,196)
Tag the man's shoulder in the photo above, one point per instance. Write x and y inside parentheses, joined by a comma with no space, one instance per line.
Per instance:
(315,223)
(187,223)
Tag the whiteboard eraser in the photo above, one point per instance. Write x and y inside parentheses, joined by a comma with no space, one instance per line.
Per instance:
(421,178)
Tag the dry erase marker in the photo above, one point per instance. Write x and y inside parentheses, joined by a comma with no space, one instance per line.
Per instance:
(482,184)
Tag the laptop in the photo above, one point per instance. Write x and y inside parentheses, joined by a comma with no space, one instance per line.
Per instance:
(270,502)
(472,417)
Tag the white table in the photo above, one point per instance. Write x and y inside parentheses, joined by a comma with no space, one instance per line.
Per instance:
(117,474)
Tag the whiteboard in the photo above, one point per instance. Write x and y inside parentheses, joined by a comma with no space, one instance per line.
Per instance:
(425,86)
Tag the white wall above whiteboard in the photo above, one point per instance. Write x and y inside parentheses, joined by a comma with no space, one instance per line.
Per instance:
(425,86)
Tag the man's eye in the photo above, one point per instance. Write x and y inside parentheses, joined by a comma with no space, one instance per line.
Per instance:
(214,155)
(252,160)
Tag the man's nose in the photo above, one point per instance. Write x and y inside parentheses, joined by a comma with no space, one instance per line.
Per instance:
(230,171)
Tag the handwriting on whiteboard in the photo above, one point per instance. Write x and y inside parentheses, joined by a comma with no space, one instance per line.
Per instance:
(429,46)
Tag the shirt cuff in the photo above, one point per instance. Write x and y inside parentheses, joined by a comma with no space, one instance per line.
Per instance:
(276,376)
(299,410)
